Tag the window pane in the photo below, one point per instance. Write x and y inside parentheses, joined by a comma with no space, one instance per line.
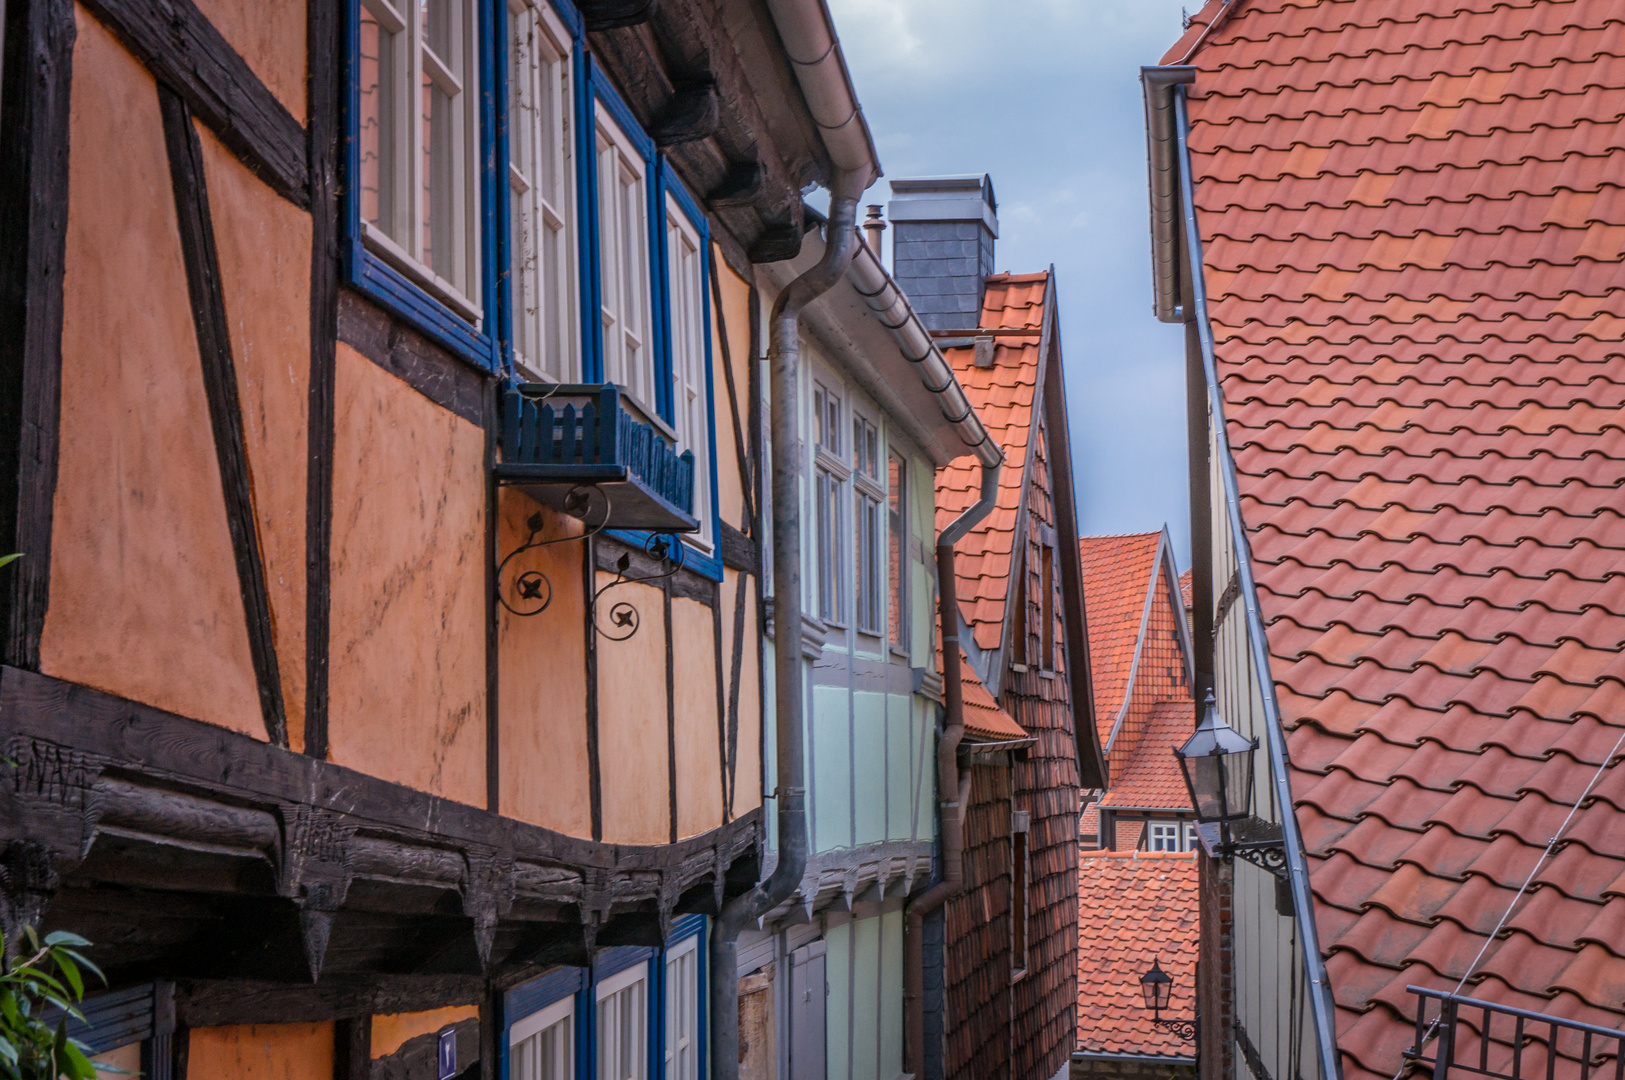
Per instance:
(376,128)
(896,549)
(546,1055)
(686,293)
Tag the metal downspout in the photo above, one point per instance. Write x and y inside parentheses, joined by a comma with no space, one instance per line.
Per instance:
(950,778)
(784,350)
(1321,1002)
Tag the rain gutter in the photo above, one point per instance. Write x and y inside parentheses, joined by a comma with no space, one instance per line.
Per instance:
(1167,83)
(814,50)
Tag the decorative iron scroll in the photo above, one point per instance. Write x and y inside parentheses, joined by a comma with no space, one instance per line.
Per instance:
(1184,1029)
(624,618)
(1266,856)
(533,590)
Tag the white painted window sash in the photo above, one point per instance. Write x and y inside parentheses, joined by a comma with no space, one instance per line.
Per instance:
(623,1037)
(623,245)
(541,1046)
(682,1010)
(541,178)
(685,278)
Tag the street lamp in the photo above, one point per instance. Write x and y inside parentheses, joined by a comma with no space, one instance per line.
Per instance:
(1157,987)
(1218,766)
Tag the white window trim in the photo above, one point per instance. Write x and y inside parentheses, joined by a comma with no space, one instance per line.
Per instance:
(698,439)
(528,205)
(409,181)
(612,986)
(616,290)
(537,1022)
(689,946)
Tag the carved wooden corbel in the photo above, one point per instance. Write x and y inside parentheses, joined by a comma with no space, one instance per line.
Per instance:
(313,874)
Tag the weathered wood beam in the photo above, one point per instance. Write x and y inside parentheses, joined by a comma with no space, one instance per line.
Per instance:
(38,75)
(325,88)
(208,302)
(690,113)
(613,14)
(184,51)
(212,1003)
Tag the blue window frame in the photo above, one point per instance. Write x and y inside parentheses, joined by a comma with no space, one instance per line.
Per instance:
(580,987)
(365,266)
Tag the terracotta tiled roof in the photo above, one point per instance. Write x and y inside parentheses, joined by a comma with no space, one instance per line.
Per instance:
(984,720)
(1003,397)
(1185,588)
(1413,217)
(1145,773)
(1117,572)
(1136,909)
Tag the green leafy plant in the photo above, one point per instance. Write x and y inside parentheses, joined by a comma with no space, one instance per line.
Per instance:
(7,559)
(40,990)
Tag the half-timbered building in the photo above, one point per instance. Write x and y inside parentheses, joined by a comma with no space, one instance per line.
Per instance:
(1003,947)
(382,431)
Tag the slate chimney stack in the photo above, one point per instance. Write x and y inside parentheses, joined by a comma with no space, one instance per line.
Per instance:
(943,228)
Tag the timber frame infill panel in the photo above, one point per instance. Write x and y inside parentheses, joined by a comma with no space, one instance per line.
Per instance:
(88,761)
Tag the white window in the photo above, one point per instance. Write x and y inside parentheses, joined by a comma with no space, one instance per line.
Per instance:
(829,476)
(623,250)
(1189,836)
(1163,836)
(685,272)
(541,178)
(419,144)
(623,1030)
(683,1010)
(867,495)
(542,1045)
(897,549)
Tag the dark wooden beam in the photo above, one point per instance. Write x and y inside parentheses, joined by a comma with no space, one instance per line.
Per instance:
(671,712)
(738,550)
(403,352)
(208,302)
(690,114)
(221,1002)
(614,14)
(742,185)
(324,42)
(589,586)
(352,1048)
(184,51)
(493,617)
(777,243)
(730,741)
(37,76)
(65,737)
(722,703)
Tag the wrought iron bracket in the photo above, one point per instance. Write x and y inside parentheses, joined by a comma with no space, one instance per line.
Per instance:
(532,590)
(624,618)
(1266,855)
(1185,1029)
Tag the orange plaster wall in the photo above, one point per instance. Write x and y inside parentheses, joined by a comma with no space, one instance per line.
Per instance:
(699,750)
(145,601)
(632,723)
(270,35)
(407,692)
(391,1031)
(736,313)
(542,700)
(262,1052)
(748,757)
(263,243)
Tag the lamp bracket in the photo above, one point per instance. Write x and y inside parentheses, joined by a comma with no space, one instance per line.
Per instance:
(1185,1029)
(1265,854)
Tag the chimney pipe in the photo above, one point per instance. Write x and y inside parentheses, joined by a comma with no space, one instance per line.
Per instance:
(873,227)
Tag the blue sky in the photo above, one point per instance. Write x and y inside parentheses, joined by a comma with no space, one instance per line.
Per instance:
(1044,95)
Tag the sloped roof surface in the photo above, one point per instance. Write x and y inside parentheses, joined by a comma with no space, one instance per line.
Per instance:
(1413,217)
(984,720)
(1151,899)
(1003,397)
(1145,773)
(1117,572)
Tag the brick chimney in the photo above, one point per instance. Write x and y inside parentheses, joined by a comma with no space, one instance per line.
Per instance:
(943,228)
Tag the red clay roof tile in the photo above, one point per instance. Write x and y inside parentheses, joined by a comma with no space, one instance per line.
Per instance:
(1413,225)
(1151,899)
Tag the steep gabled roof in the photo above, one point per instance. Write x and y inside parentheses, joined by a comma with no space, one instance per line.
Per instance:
(1004,395)
(1413,218)
(985,722)
(1118,573)
(1138,909)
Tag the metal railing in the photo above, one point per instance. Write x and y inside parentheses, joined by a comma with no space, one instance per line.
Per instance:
(1524,1045)
(581,432)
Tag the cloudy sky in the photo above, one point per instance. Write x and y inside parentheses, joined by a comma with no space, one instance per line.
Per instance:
(1044,95)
